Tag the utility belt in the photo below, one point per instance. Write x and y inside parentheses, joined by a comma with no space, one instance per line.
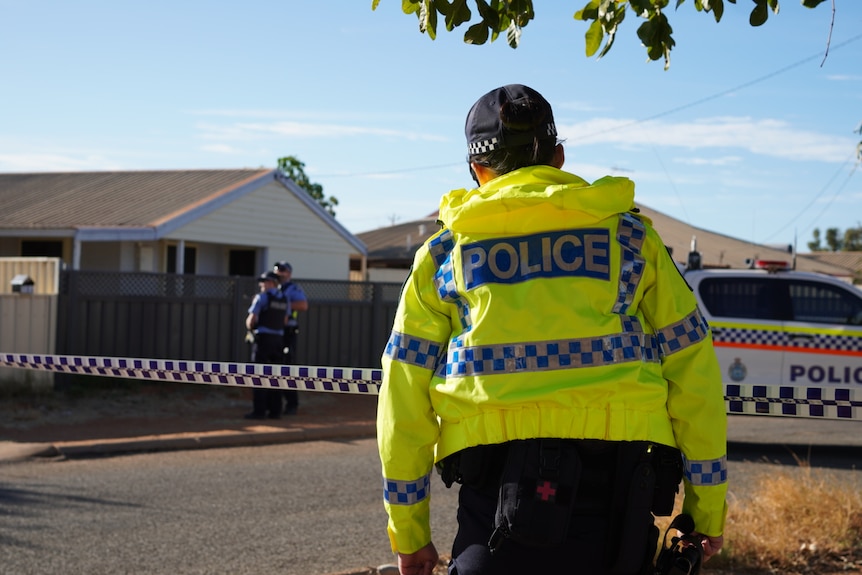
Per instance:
(540,484)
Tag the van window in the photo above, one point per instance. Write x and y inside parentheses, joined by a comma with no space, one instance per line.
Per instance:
(823,303)
(743,297)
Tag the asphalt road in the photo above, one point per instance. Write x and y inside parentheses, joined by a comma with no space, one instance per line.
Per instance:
(301,508)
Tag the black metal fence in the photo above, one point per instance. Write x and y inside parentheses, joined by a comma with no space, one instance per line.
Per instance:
(169,316)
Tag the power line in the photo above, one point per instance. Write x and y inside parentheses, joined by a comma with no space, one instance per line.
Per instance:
(628,124)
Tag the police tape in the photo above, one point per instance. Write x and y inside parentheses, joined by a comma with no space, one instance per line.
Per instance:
(304,378)
(826,402)
(794,401)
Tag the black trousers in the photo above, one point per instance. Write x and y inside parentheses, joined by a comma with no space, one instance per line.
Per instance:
(267,349)
(594,544)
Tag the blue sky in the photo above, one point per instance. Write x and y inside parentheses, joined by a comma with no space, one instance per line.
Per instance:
(750,133)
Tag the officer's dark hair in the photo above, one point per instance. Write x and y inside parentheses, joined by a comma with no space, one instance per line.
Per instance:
(504,160)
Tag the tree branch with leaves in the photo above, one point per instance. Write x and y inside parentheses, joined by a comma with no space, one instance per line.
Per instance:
(510,17)
(292,168)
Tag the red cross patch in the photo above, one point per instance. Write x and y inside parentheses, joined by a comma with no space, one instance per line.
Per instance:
(546,491)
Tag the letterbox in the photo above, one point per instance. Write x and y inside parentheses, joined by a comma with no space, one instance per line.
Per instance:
(22,283)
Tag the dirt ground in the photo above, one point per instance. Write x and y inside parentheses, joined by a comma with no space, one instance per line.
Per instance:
(108,409)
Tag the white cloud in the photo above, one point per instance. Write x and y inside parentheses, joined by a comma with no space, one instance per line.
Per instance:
(767,137)
(220,149)
(722,161)
(244,131)
(36,162)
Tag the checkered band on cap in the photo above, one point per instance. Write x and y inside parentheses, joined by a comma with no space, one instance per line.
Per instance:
(483,147)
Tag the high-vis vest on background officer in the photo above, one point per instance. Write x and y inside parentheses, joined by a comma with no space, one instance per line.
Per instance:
(547,356)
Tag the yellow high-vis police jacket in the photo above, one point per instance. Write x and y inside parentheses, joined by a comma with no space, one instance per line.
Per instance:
(546,307)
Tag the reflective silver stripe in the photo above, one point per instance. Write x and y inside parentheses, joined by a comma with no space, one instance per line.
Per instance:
(707,471)
(414,350)
(631,345)
(686,332)
(397,492)
(630,235)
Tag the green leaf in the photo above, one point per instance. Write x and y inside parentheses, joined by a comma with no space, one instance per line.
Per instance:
(490,15)
(458,14)
(656,35)
(374,4)
(759,14)
(410,6)
(428,18)
(588,12)
(593,38)
(476,34)
(812,3)
(441,6)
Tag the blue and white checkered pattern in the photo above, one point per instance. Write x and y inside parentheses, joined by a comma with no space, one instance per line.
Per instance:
(548,355)
(305,378)
(441,246)
(706,472)
(397,492)
(414,350)
(794,401)
(630,235)
(684,333)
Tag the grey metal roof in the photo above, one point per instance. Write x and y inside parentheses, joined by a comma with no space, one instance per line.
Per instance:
(116,205)
(719,250)
(111,199)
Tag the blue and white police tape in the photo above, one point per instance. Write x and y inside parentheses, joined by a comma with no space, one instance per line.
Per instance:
(826,402)
(305,378)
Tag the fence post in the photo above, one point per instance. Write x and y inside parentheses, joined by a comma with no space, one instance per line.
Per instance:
(237,323)
(378,319)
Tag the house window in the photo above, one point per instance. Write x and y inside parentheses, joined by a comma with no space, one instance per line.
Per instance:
(189,263)
(41,248)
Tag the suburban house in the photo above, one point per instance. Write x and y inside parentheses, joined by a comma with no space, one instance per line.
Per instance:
(391,249)
(202,222)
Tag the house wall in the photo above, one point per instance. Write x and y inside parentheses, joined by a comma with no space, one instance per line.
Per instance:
(284,228)
(104,257)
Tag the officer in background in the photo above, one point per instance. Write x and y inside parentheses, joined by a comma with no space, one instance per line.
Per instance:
(266,319)
(298,302)
(547,355)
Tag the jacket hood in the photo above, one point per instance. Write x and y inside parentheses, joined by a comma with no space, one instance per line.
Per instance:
(533,199)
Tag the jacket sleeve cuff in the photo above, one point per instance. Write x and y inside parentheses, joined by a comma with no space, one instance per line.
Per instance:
(409,527)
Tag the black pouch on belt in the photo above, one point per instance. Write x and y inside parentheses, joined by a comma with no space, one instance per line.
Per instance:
(537,493)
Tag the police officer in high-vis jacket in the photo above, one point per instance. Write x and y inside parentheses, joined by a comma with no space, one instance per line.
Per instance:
(547,356)
(266,319)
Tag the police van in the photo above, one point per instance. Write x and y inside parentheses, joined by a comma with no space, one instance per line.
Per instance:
(773,326)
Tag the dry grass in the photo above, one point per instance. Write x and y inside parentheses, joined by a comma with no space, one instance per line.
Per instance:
(799,521)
